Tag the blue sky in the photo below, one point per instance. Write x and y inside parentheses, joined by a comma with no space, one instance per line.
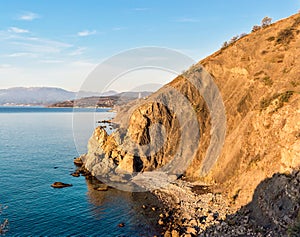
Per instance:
(57,43)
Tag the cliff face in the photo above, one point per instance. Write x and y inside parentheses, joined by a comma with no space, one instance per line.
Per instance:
(258,79)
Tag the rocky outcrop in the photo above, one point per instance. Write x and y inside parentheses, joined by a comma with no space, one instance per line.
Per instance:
(172,131)
(257,77)
(156,138)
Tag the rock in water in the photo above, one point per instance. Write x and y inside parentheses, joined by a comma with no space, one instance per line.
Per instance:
(101,187)
(78,161)
(60,185)
(122,224)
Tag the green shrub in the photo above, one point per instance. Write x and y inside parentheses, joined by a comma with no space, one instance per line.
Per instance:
(267,81)
(285,36)
(282,98)
(295,83)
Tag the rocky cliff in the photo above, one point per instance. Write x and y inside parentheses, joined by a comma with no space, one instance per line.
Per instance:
(258,79)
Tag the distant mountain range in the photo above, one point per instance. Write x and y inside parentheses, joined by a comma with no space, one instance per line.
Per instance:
(42,95)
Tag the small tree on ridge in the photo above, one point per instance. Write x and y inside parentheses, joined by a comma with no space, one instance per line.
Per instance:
(266,21)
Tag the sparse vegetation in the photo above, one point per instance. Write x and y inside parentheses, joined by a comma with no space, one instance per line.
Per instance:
(284,97)
(271,38)
(295,83)
(225,45)
(280,97)
(264,52)
(258,73)
(266,21)
(242,105)
(232,40)
(285,36)
(255,28)
(267,81)
(263,77)
(243,35)
(297,22)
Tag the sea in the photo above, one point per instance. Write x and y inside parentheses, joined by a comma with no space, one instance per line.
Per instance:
(37,148)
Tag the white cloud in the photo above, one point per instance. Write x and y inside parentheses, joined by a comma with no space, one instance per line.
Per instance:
(29,16)
(86,33)
(17,30)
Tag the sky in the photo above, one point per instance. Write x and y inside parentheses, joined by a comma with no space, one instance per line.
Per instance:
(58,43)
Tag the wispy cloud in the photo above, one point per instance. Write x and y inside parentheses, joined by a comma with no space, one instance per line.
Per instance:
(187,19)
(4,66)
(39,45)
(51,61)
(17,30)
(28,16)
(83,64)
(21,54)
(86,33)
(119,28)
(78,51)
(141,9)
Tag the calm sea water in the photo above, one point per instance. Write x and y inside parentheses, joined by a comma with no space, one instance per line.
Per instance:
(37,149)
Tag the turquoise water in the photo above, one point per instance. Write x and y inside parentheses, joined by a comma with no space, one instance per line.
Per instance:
(37,149)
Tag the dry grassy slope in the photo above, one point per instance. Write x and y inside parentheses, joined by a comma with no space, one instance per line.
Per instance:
(254,76)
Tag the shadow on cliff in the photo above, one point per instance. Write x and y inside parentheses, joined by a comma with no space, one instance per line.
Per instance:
(274,208)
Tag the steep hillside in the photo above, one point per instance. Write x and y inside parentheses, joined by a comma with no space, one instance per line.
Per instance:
(258,79)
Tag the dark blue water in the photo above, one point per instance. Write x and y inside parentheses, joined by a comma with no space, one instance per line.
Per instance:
(37,149)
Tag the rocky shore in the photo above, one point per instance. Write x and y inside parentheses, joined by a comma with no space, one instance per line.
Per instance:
(195,209)
(198,210)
